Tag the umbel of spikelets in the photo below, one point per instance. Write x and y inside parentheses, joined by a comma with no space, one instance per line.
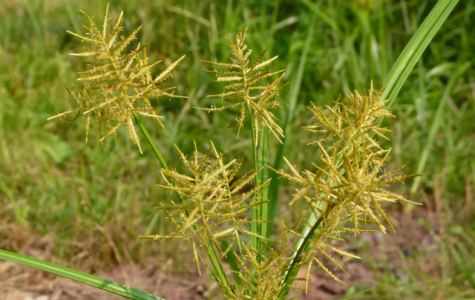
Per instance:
(261,271)
(117,84)
(348,187)
(245,90)
(215,207)
(352,123)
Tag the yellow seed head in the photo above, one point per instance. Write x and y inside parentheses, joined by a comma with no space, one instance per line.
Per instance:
(245,90)
(117,85)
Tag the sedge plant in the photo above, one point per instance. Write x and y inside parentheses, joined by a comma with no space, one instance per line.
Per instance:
(342,193)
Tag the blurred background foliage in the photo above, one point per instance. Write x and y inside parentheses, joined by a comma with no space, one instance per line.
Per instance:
(92,197)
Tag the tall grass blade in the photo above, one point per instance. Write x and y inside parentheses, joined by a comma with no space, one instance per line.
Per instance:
(414,49)
(393,83)
(82,277)
(294,92)
(263,178)
(461,257)
(355,294)
(260,212)
(255,210)
(437,122)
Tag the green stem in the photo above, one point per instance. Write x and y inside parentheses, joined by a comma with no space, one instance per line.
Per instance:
(254,148)
(255,210)
(152,144)
(298,256)
(98,282)
(290,108)
(210,247)
(262,162)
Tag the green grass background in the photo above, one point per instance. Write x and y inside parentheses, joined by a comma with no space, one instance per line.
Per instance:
(90,197)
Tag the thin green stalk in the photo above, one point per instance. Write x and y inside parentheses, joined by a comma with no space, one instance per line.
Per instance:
(437,120)
(154,147)
(393,83)
(210,247)
(95,281)
(294,92)
(255,210)
(262,162)
(414,49)
(358,293)
(293,270)
(260,212)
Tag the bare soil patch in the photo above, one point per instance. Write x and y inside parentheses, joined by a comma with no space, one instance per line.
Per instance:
(380,253)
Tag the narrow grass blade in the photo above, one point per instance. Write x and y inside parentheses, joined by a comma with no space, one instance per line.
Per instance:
(396,78)
(414,49)
(461,257)
(82,277)
(256,209)
(260,211)
(262,162)
(437,122)
(294,92)
(355,294)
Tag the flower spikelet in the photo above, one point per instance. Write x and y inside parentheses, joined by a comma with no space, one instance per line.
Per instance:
(261,271)
(121,81)
(353,122)
(215,207)
(348,186)
(244,90)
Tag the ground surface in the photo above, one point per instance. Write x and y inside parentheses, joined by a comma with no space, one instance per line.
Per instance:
(392,253)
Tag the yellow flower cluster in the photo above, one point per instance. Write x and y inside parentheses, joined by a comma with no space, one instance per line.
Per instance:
(245,91)
(123,80)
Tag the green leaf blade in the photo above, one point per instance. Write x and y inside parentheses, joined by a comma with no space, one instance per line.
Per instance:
(95,281)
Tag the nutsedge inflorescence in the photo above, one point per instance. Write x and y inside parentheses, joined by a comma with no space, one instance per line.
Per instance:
(341,194)
(123,81)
